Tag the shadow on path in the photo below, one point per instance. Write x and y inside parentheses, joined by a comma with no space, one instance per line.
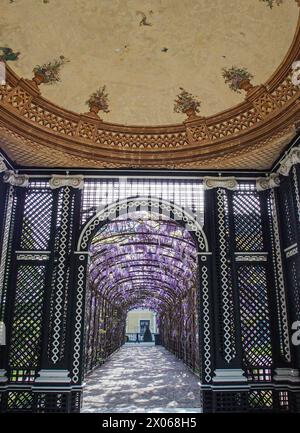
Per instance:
(141,379)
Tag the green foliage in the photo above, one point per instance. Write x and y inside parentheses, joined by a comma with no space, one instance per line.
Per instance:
(271,3)
(50,71)
(234,75)
(99,99)
(186,101)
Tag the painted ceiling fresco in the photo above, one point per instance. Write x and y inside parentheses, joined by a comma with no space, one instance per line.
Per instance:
(143,51)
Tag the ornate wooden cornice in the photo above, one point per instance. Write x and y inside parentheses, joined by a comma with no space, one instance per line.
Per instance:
(35,132)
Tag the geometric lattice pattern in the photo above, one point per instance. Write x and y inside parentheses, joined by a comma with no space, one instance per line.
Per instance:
(274,240)
(296,188)
(225,278)
(20,401)
(188,193)
(231,401)
(37,220)
(256,336)
(247,221)
(284,400)
(294,273)
(6,248)
(27,317)
(261,399)
(52,403)
(61,274)
(289,218)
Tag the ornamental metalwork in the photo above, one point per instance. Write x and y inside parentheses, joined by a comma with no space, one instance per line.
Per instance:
(73,263)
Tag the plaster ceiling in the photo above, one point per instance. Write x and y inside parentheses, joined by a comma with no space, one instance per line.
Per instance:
(106,45)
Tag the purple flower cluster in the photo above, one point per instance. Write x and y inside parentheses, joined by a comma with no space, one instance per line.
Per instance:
(143,263)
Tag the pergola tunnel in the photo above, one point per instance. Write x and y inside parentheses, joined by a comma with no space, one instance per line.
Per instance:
(148,261)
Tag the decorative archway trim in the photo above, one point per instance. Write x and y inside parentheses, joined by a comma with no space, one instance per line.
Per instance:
(156,204)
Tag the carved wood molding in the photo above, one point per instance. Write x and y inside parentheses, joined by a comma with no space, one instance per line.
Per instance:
(267,111)
(260,154)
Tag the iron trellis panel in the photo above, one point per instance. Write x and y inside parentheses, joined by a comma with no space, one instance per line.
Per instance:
(205,306)
(37,219)
(288,199)
(294,279)
(247,221)
(255,316)
(277,281)
(239,229)
(293,283)
(98,193)
(20,401)
(252,268)
(60,281)
(78,310)
(225,274)
(11,275)
(25,345)
(3,209)
(288,212)
(6,246)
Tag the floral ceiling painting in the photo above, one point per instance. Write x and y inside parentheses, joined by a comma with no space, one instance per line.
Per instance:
(143,51)
(186,84)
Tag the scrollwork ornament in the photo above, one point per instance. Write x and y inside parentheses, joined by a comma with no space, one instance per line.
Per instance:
(292,158)
(58,181)
(3,166)
(16,179)
(220,182)
(264,183)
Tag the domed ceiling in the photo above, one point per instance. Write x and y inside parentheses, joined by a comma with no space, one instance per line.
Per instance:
(186,44)
(145,52)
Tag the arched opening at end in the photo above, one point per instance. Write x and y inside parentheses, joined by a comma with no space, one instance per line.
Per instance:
(143,262)
(142,327)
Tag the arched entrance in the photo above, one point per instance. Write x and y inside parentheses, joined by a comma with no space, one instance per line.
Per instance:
(137,255)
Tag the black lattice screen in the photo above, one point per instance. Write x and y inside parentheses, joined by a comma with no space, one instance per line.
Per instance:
(37,220)
(20,401)
(101,338)
(261,400)
(294,279)
(241,289)
(290,233)
(60,275)
(225,292)
(247,221)
(98,193)
(289,204)
(25,346)
(255,316)
(6,245)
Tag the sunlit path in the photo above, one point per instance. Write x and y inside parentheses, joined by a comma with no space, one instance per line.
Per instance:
(139,378)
